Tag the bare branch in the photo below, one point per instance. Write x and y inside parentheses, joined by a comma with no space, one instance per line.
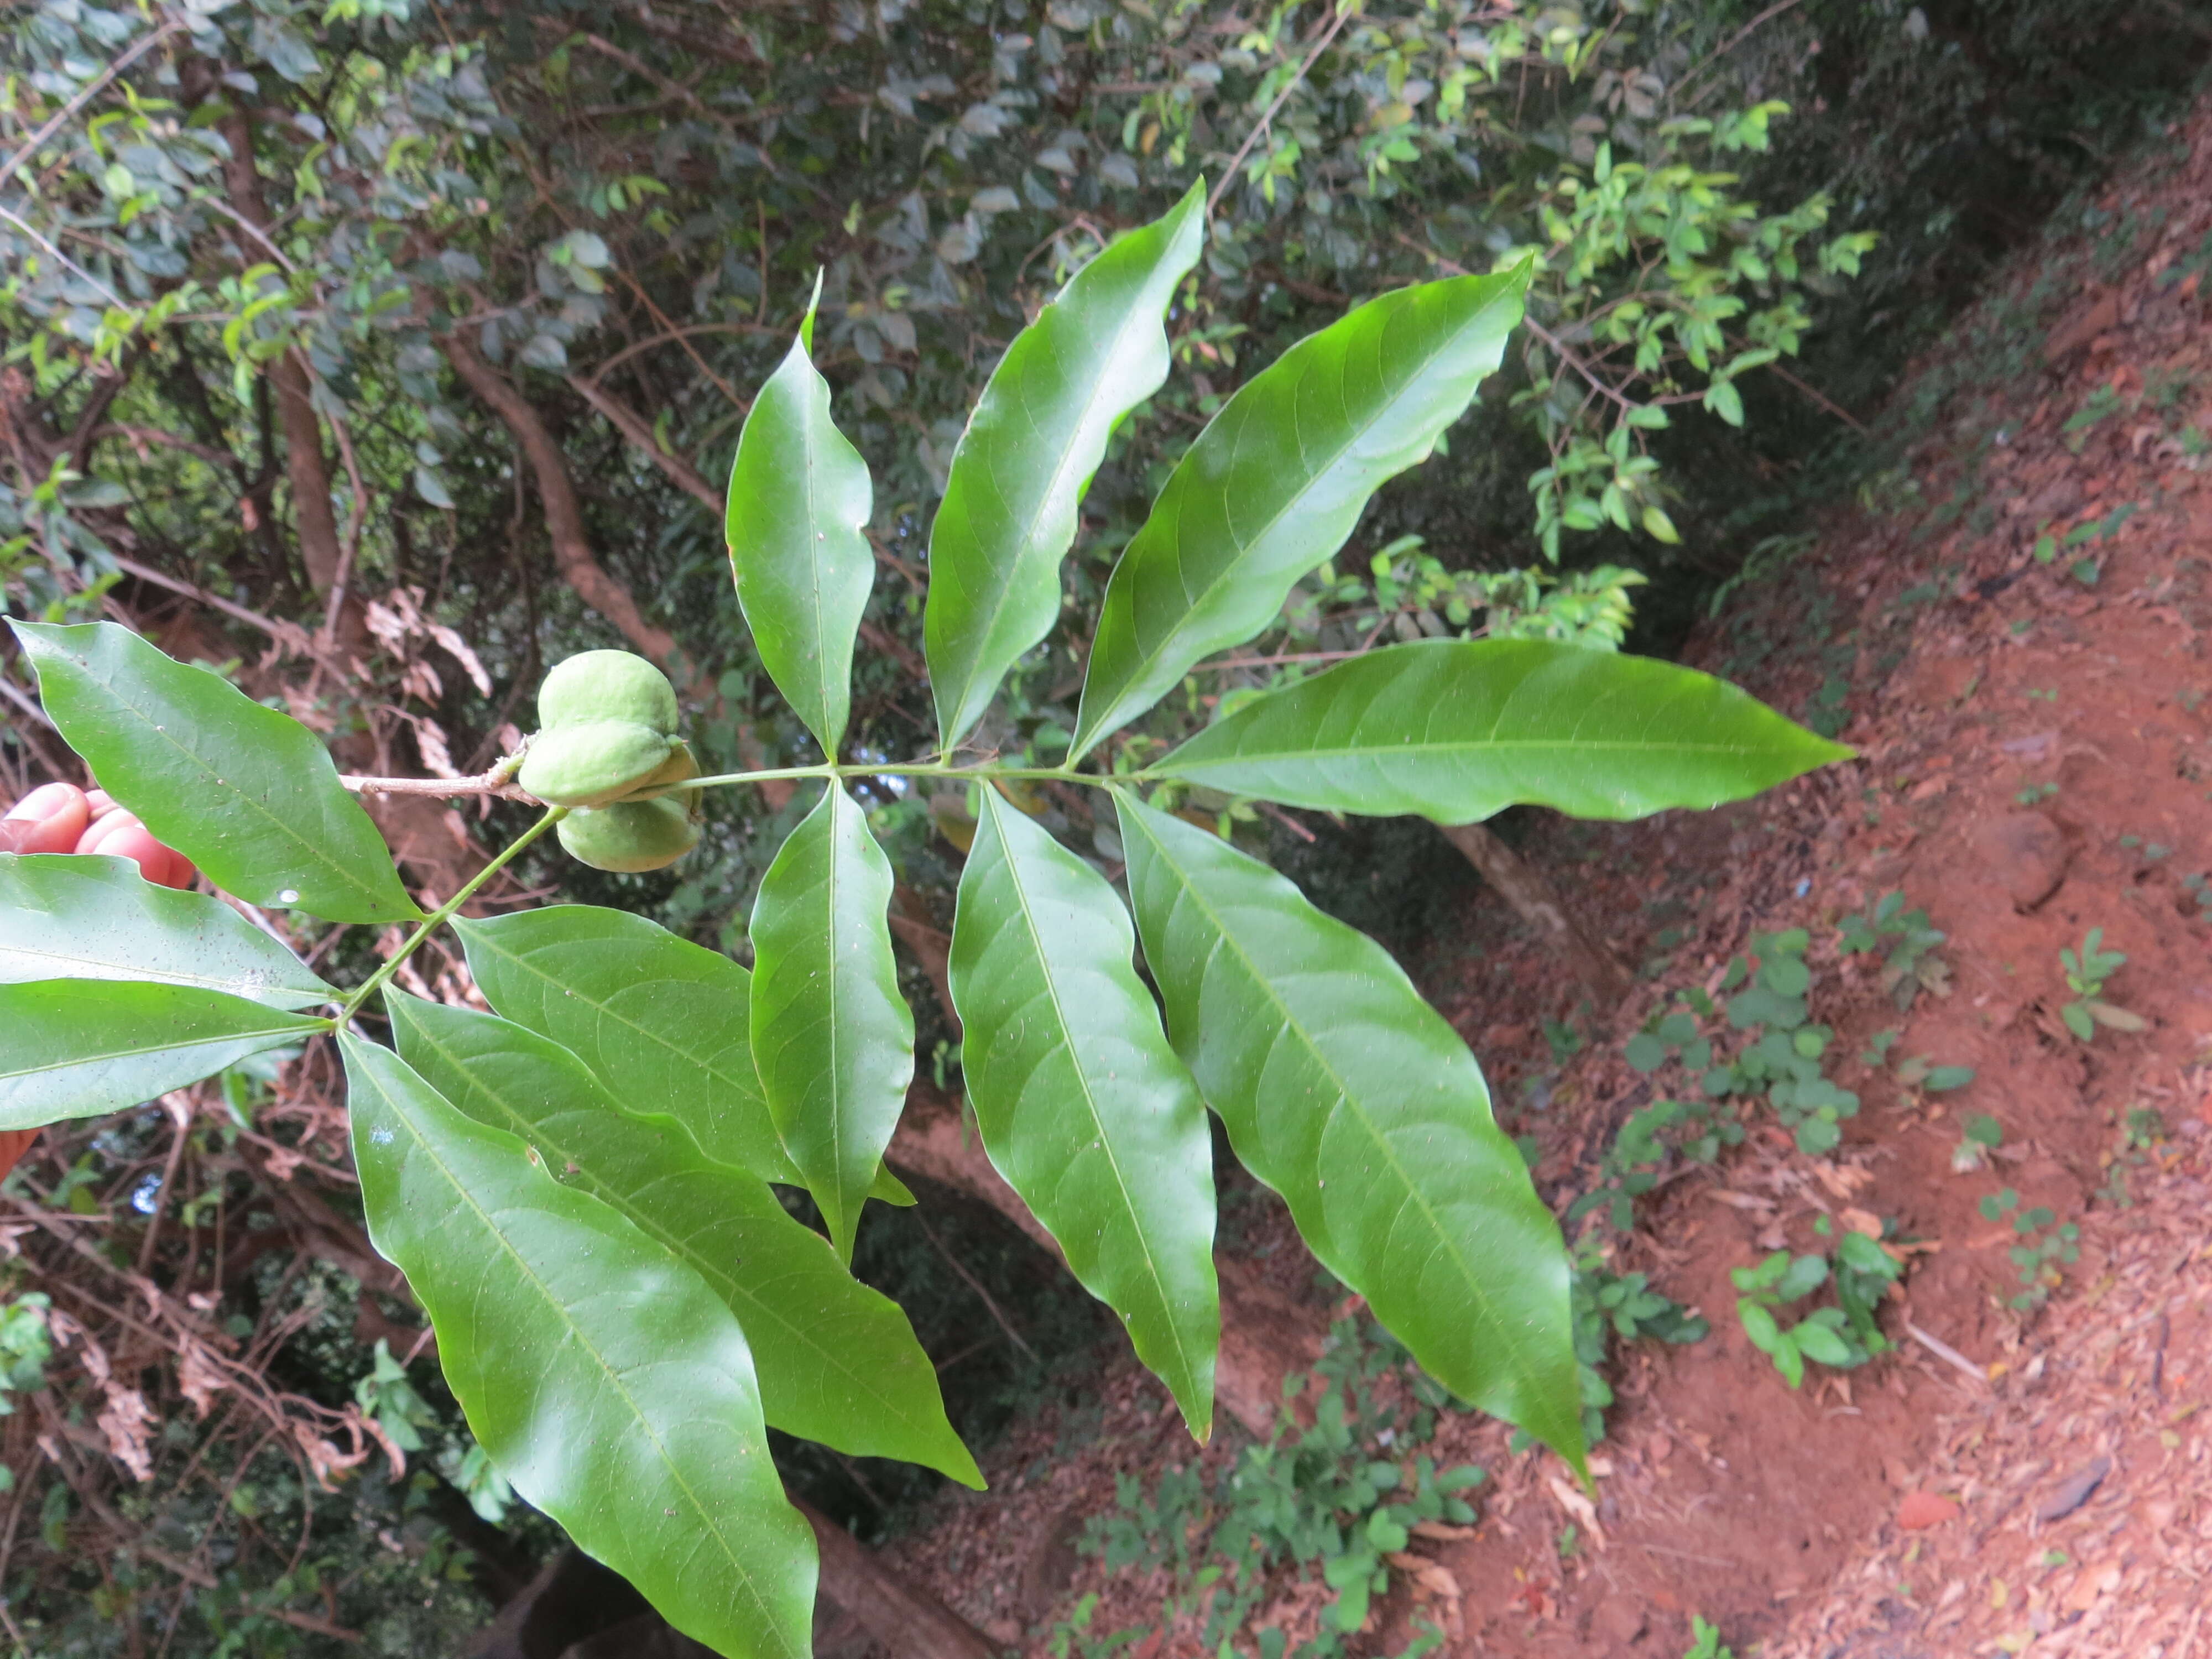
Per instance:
(633,426)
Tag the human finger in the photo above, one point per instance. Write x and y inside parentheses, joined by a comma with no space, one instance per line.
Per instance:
(49,819)
(105,828)
(133,841)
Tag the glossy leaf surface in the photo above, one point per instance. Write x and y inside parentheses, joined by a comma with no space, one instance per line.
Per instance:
(798,504)
(832,1037)
(837,1362)
(65,915)
(1279,478)
(246,793)
(656,1018)
(607,1382)
(1347,1093)
(1036,436)
(1084,1106)
(1456,730)
(76,1048)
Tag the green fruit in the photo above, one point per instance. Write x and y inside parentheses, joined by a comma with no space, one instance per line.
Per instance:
(608,728)
(632,834)
(607,685)
(594,763)
(679,767)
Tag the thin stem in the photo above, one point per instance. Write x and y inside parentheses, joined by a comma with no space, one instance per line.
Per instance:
(1726,47)
(85,96)
(439,917)
(497,781)
(1228,663)
(1229,174)
(904,769)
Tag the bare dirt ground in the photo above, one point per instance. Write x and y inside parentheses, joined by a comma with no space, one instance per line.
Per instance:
(2014,623)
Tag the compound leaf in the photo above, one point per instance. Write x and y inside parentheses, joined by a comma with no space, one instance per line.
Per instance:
(1279,478)
(1009,512)
(832,1037)
(798,504)
(837,1362)
(1347,1093)
(76,1048)
(1084,1106)
(606,1382)
(1456,730)
(246,793)
(653,1017)
(68,916)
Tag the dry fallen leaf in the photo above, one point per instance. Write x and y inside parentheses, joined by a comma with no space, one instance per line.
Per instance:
(1920,1510)
(1440,1532)
(1578,1506)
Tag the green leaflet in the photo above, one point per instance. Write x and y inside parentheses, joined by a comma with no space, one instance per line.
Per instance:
(1458,730)
(63,916)
(605,1379)
(1084,1106)
(798,505)
(832,1037)
(655,1018)
(1279,478)
(837,1362)
(1036,437)
(76,1048)
(1347,1093)
(246,793)
(652,1016)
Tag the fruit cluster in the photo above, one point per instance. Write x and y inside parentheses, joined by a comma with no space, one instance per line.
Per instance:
(606,747)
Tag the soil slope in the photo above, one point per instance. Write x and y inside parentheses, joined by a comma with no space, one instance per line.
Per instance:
(2011,627)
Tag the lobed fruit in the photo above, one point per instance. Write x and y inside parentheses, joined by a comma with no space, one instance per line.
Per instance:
(607,685)
(607,729)
(633,835)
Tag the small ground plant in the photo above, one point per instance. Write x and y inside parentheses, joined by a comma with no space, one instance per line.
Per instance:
(2086,970)
(1612,1308)
(1907,942)
(2041,1249)
(1845,1335)
(1767,991)
(1330,1501)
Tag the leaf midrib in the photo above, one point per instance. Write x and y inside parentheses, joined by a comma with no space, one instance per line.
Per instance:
(112,972)
(613,1378)
(1145,662)
(1090,1099)
(606,1011)
(172,1045)
(1368,750)
(528,1130)
(1490,1315)
(810,385)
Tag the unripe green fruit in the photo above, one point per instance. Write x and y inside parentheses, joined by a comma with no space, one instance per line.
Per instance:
(632,834)
(681,766)
(607,685)
(591,765)
(609,729)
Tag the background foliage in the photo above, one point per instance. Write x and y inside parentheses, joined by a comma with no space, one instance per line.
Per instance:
(411,343)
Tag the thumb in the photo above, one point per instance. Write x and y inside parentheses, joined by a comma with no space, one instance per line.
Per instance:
(48,820)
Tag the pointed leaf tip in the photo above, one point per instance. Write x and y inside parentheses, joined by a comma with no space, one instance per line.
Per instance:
(1037,435)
